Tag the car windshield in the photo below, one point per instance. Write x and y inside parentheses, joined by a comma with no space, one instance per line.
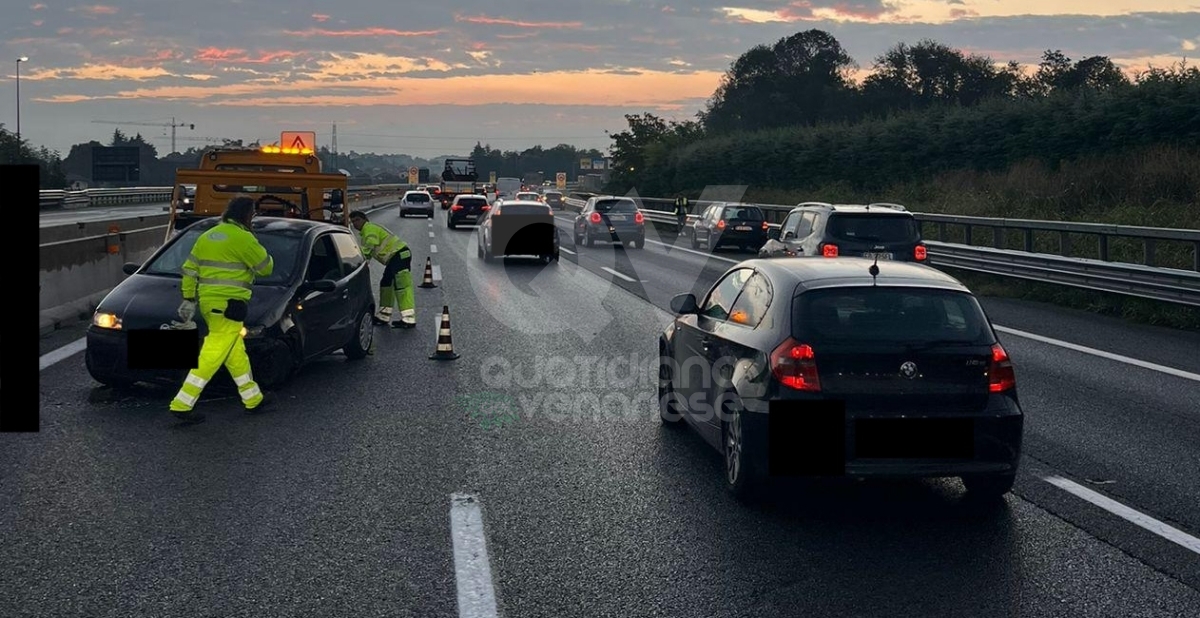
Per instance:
(527,196)
(742,213)
(553,196)
(417,197)
(860,315)
(474,201)
(874,228)
(616,206)
(282,245)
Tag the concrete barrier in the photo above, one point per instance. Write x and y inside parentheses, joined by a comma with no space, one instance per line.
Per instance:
(79,265)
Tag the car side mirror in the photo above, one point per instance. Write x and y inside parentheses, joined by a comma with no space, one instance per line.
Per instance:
(684,304)
(773,233)
(336,197)
(130,267)
(320,285)
(789,235)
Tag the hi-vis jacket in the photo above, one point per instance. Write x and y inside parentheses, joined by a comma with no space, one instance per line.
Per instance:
(379,243)
(223,264)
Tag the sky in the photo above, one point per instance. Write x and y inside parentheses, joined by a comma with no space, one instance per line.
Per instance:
(435,78)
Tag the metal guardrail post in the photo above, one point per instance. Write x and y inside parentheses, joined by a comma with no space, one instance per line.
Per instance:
(1148,252)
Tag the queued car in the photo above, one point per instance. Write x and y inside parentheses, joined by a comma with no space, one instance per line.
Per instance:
(420,202)
(467,209)
(528,196)
(554,199)
(317,300)
(926,387)
(882,230)
(724,225)
(610,219)
(518,228)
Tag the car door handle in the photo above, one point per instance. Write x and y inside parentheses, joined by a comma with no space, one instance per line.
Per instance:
(345,293)
(705,343)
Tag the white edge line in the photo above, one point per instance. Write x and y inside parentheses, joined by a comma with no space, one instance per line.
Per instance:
(472,570)
(1142,520)
(62,353)
(433,248)
(699,253)
(618,274)
(1102,354)
(567,251)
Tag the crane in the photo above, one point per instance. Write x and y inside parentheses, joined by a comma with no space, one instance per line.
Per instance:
(171,124)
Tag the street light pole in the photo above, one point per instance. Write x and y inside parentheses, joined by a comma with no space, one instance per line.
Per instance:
(19,61)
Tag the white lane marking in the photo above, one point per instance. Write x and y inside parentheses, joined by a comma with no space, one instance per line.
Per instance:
(568,251)
(617,274)
(1102,354)
(1167,532)
(472,571)
(431,234)
(699,253)
(433,248)
(437,272)
(62,353)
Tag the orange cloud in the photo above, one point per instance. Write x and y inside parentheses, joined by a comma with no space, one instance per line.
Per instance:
(668,9)
(361,32)
(213,54)
(38,22)
(37,7)
(523,35)
(320,17)
(645,88)
(98,9)
(102,72)
(500,21)
(65,30)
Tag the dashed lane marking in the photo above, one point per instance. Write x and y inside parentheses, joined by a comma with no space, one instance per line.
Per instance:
(437,272)
(62,353)
(567,251)
(431,234)
(1138,518)
(433,248)
(618,274)
(472,570)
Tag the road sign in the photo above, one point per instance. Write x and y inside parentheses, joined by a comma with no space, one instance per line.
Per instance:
(560,180)
(414,175)
(115,163)
(492,178)
(303,141)
(585,164)
(597,164)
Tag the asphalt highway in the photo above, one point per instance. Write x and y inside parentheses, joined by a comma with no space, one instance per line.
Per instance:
(531,477)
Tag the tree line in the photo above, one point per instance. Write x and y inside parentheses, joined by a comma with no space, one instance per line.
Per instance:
(789,116)
(515,164)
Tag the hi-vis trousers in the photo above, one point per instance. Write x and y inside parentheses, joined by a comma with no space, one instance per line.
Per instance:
(397,284)
(222,346)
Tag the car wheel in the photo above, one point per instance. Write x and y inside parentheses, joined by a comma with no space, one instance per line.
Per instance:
(740,477)
(112,381)
(588,241)
(275,366)
(639,243)
(668,409)
(360,343)
(450,223)
(478,249)
(989,487)
(430,214)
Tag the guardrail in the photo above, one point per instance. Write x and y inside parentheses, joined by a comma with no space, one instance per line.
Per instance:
(59,198)
(1146,280)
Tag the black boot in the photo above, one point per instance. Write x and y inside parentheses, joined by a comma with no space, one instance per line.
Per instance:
(188,418)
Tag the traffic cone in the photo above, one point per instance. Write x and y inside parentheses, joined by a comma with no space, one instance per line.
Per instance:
(428,282)
(445,346)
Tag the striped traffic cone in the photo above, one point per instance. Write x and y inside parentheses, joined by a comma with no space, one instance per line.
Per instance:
(445,346)
(428,282)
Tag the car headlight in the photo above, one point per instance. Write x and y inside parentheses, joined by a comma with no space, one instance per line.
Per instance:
(101,319)
(251,332)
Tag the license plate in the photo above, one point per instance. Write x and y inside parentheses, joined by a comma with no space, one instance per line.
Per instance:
(743,228)
(616,217)
(878,256)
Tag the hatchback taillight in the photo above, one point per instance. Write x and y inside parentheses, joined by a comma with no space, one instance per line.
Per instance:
(920,253)
(456,207)
(766,226)
(595,218)
(794,365)
(1001,376)
(485,207)
(639,218)
(721,224)
(829,250)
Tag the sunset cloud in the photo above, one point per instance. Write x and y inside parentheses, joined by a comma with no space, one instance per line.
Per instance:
(320,17)
(96,9)
(241,56)
(500,21)
(362,32)
(100,72)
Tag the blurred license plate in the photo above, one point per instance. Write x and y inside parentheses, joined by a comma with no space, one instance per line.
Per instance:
(878,256)
(616,217)
(743,228)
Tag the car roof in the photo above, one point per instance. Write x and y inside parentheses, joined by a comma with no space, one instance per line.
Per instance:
(275,224)
(522,203)
(470,196)
(883,208)
(811,273)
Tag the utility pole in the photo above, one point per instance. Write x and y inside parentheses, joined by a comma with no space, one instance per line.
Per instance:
(335,152)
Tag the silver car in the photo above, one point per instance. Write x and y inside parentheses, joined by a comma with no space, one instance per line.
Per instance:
(419,202)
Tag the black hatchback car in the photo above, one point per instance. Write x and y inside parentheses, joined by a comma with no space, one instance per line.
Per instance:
(317,300)
(917,381)
(610,219)
(467,209)
(515,228)
(730,225)
(883,231)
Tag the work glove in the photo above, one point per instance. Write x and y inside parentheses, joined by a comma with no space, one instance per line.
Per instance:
(187,310)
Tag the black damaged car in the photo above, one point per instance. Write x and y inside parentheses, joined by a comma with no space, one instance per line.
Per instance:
(318,300)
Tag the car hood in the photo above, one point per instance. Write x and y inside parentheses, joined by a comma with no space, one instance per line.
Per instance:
(149,301)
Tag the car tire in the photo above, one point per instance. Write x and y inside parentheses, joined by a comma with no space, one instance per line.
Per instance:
(740,477)
(991,487)
(668,411)
(588,241)
(450,224)
(360,342)
(430,214)
(274,370)
(639,243)
(478,250)
(112,381)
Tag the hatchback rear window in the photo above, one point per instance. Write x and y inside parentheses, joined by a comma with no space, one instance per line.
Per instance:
(742,213)
(477,201)
(874,228)
(616,206)
(863,315)
(417,197)
(524,209)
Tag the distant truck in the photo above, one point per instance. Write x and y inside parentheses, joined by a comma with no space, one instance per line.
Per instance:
(533,179)
(507,187)
(458,178)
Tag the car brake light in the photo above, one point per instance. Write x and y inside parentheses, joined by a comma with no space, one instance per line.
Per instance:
(1001,376)
(485,207)
(794,365)
(721,224)
(595,218)
(829,250)
(920,253)
(639,218)
(456,207)
(766,226)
